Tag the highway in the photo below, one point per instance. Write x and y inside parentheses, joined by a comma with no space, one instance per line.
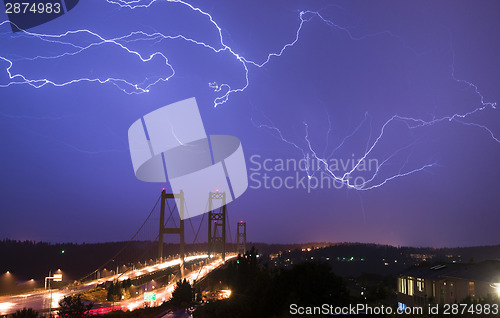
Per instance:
(164,294)
(41,300)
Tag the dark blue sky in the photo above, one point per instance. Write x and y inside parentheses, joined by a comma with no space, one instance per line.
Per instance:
(65,165)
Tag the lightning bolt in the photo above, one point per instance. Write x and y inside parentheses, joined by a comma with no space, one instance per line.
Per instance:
(97,40)
(72,44)
(369,184)
(410,122)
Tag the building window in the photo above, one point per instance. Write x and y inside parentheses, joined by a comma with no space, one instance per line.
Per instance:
(402,285)
(420,284)
(410,286)
(472,289)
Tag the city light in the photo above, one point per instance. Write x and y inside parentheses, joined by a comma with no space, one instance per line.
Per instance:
(225,293)
(497,289)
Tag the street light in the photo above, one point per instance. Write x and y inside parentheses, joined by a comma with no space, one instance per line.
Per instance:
(7,281)
(29,285)
(56,278)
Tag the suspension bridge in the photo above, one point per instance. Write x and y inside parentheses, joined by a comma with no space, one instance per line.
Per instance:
(187,258)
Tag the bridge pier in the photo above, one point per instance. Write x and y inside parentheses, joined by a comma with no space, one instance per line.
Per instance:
(217,233)
(172,230)
(241,237)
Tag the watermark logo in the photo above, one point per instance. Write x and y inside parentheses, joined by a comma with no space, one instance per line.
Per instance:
(309,173)
(170,143)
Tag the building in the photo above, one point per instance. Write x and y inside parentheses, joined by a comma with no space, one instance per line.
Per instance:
(448,283)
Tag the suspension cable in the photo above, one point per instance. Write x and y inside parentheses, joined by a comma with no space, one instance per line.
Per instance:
(126,245)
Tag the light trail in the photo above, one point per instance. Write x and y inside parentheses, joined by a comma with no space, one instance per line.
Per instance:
(40,300)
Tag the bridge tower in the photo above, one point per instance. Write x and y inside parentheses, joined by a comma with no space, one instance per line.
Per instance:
(217,225)
(172,230)
(241,238)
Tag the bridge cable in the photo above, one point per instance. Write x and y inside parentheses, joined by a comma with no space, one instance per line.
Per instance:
(126,245)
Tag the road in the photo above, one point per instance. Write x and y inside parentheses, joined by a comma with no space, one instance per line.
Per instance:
(164,294)
(41,300)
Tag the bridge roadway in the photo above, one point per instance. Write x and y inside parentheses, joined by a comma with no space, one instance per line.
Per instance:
(40,300)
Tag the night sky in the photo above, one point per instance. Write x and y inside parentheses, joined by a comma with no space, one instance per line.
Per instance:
(338,72)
